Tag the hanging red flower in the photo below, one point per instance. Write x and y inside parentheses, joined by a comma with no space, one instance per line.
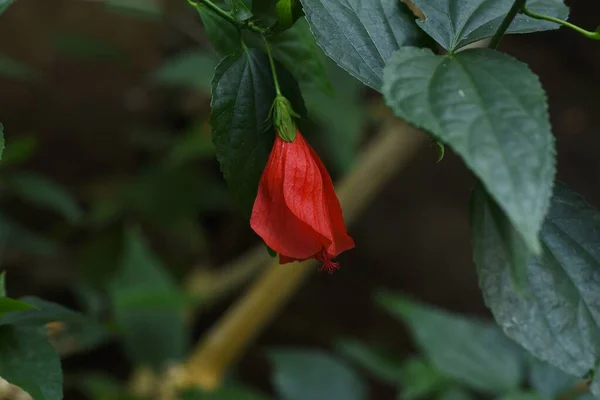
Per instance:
(296,211)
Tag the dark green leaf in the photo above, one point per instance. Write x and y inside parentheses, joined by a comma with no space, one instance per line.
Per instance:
(225,393)
(361,36)
(1,141)
(3,284)
(148,306)
(223,35)
(522,396)
(297,51)
(20,149)
(240,10)
(87,48)
(455,394)
(102,387)
(306,374)
(29,361)
(150,9)
(377,361)
(10,305)
(192,69)
(456,23)
(12,69)
(421,380)
(195,144)
(16,236)
(80,331)
(550,381)
(491,109)
(4,4)
(42,192)
(555,317)
(243,93)
(468,350)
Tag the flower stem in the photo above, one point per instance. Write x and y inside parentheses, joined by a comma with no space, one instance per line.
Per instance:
(516,7)
(273,68)
(589,34)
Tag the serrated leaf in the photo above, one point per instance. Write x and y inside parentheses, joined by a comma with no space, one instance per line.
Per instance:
(148,306)
(309,374)
(4,4)
(222,34)
(190,69)
(351,33)
(377,361)
(297,51)
(549,381)
(243,93)
(457,23)
(42,192)
(469,350)
(29,361)
(555,317)
(492,111)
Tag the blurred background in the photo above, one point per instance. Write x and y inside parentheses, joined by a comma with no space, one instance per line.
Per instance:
(105,107)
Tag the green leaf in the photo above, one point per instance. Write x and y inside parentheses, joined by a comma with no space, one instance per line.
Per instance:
(42,192)
(16,236)
(84,47)
(98,386)
(1,141)
(222,34)
(4,4)
(2,284)
(195,144)
(555,317)
(243,93)
(19,150)
(29,361)
(224,393)
(457,23)
(13,69)
(191,69)
(308,374)
(240,10)
(10,305)
(491,109)
(421,380)
(550,381)
(468,350)
(455,394)
(81,331)
(149,9)
(377,361)
(148,306)
(351,33)
(297,51)
(522,396)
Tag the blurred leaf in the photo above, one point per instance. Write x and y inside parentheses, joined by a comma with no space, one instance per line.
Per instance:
(225,393)
(468,350)
(84,47)
(240,10)
(195,144)
(19,149)
(298,52)
(456,394)
(16,236)
(550,381)
(98,386)
(147,305)
(378,362)
(3,284)
(12,69)
(42,192)
(80,330)
(141,8)
(522,396)
(11,305)
(420,380)
(309,374)
(243,93)
(29,361)
(191,69)
(222,34)
(99,257)
(1,141)
(4,4)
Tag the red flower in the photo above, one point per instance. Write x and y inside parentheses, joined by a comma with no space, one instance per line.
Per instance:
(296,211)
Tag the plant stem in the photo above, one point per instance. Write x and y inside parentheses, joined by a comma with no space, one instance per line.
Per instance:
(589,34)
(227,16)
(516,7)
(273,68)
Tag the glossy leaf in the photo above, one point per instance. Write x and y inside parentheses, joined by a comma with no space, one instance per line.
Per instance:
(29,361)
(190,69)
(360,36)
(469,350)
(492,111)
(555,316)
(457,23)
(148,306)
(42,192)
(223,35)
(307,374)
(243,93)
